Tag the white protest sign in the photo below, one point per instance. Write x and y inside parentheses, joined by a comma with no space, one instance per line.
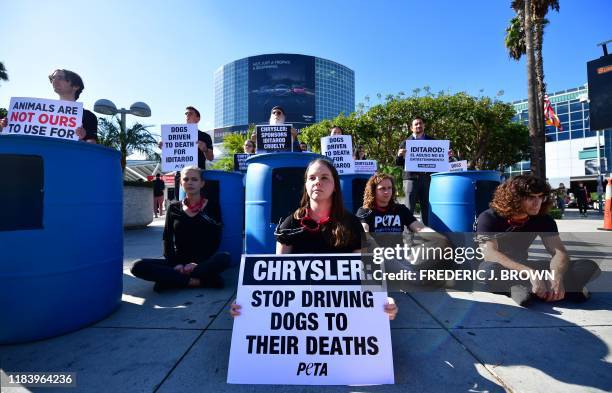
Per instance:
(339,149)
(41,117)
(457,166)
(307,320)
(368,167)
(179,146)
(426,155)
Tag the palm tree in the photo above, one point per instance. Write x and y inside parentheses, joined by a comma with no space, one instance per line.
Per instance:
(3,74)
(136,138)
(524,36)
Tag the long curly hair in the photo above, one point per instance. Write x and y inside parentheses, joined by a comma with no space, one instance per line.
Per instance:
(369,195)
(509,195)
(339,224)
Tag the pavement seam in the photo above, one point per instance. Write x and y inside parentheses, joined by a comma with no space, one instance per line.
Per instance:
(147,328)
(468,350)
(527,327)
(192,344)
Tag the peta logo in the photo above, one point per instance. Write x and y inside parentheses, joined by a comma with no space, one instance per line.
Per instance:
(388,220)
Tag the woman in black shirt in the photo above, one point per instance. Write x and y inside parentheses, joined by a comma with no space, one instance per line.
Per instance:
(320,224)
(381,214)
(192,234)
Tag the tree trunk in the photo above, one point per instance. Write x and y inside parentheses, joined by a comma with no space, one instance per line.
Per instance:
(537,153)
(538,29)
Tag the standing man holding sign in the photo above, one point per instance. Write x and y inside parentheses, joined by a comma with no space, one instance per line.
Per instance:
(205,149)
(68,85)
(416,184)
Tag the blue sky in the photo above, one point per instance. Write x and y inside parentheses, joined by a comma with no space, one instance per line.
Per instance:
(165,53)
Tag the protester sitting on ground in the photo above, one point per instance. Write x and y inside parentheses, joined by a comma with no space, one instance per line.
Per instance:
(192,235)
(248,147)
(518,214)
(320,224)
(385,219)
(68,85)
(277,117)
(379,201)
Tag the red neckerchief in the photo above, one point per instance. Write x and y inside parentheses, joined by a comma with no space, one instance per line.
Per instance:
(382,209)
(194,208)
(518,223)
(310,224)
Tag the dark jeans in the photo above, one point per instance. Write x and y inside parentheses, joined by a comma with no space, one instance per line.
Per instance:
(582,206)
(578,274)
(417,190)
(160,271)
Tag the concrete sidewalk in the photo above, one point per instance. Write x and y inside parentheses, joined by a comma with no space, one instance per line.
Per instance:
(442,341)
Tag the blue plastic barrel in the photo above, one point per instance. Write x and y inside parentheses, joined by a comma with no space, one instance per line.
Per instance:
(457,198)
(61,236)
(274,184)
(226,189)
(353,187)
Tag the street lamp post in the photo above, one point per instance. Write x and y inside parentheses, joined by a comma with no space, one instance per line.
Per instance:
(107,107)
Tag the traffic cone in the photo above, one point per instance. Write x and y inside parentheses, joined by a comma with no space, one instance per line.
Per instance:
(608,208)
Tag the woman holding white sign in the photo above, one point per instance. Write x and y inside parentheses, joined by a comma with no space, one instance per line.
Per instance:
(192,235)
(320,224)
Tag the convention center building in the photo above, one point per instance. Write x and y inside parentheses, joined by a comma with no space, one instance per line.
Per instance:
(571,150)
(309,89)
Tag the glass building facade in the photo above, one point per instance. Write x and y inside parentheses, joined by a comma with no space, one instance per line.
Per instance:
(302,85)
(571,151)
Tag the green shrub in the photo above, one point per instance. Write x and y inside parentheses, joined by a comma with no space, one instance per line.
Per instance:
(138,183)
(556,214)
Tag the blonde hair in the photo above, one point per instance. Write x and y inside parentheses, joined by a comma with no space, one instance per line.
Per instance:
(191,168)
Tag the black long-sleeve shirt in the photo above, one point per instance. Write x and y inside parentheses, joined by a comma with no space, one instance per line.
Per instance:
(191,239)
